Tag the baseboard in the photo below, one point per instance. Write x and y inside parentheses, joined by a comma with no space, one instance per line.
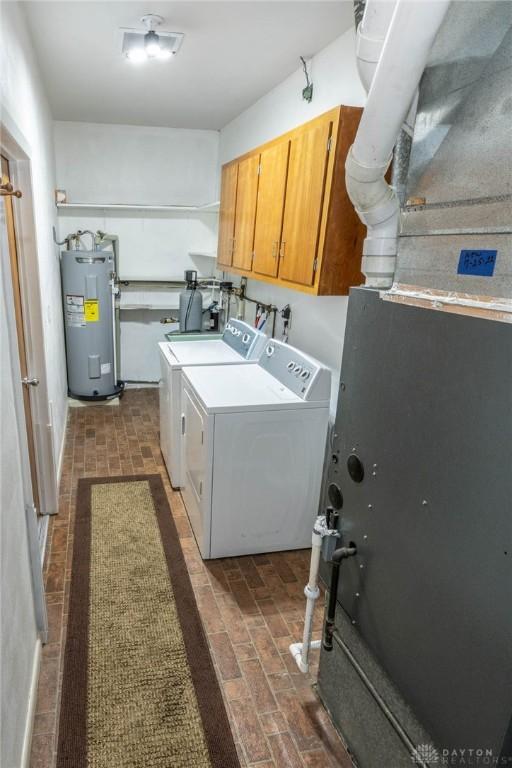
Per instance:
(141,384)
(31,708)
(43,536)
(62,446)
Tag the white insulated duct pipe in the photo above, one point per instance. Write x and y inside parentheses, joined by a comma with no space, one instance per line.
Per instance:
(371,34)
(412,30)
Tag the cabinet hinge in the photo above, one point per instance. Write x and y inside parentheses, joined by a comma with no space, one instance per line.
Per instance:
(315,265)
(329,143)
(259,169)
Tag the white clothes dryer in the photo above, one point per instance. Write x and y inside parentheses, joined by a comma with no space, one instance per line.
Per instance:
(240,343)
(253,451)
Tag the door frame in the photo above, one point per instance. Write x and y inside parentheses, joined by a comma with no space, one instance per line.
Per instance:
(16,150)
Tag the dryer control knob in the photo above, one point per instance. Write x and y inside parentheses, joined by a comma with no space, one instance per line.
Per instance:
(305,374)
(297,370)
(270,350)
(246,338)
(291,365)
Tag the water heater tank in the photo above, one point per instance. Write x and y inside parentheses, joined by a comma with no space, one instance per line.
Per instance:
(87,280)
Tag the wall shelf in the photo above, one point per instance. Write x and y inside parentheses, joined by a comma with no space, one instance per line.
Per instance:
(206,254)
(152,307)
(207,208)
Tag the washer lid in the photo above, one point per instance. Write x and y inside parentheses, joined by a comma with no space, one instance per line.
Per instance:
(242,387)
(212,352)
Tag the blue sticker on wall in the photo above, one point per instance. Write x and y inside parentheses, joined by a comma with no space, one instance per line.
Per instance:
(479,263)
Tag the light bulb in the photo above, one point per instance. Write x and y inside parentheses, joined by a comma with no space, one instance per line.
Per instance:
(137,55)
(152,50)
(152,44)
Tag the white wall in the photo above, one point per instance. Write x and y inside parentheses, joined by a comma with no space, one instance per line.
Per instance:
(318,323)
(133,164)
(141,165)
(23,98)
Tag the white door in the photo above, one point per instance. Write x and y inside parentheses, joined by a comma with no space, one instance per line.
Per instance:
(165,408)
(266,487)
(194,469)
(176,427)
(21,263)
(18,364)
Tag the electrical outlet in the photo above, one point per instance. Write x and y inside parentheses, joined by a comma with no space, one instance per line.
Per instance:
(307,92)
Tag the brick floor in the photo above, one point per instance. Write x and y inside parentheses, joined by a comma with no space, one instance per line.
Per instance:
(251,607)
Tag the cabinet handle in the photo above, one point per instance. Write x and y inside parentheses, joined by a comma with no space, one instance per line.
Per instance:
(283,243)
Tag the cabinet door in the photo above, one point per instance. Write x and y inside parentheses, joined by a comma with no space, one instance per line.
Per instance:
(227,214)
(245,212)
(269,212)
(304,200)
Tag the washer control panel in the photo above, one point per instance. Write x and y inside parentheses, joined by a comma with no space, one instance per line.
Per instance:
(304,375)
(244,339)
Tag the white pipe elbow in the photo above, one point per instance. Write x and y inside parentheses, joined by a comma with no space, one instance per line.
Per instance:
(378,208)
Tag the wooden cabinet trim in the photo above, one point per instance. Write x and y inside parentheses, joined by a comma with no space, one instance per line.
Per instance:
(332,114)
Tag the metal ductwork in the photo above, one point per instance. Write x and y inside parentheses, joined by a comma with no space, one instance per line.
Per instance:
(410,34)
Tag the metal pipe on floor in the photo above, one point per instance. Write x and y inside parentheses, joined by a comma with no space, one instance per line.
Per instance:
(330,615)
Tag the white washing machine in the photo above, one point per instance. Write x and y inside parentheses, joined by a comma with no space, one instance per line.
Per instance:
(240,343)
(253,451)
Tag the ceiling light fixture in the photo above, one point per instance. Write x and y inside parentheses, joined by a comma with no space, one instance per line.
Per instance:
(139,46)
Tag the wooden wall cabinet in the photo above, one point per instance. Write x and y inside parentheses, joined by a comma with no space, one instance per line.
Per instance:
(285,216)
(228,185)
(246,196)
(273,170)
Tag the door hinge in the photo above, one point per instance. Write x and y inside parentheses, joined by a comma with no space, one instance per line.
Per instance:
(182,423)
(315,265)
(329,143)
(200,487)
(202,438)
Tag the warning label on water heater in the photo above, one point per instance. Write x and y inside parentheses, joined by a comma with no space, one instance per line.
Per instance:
(75,315)
(92,310)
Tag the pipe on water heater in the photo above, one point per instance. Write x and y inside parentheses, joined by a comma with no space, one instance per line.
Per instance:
(413,27)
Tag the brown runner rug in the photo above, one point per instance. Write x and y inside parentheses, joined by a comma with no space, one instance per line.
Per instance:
(139,687)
